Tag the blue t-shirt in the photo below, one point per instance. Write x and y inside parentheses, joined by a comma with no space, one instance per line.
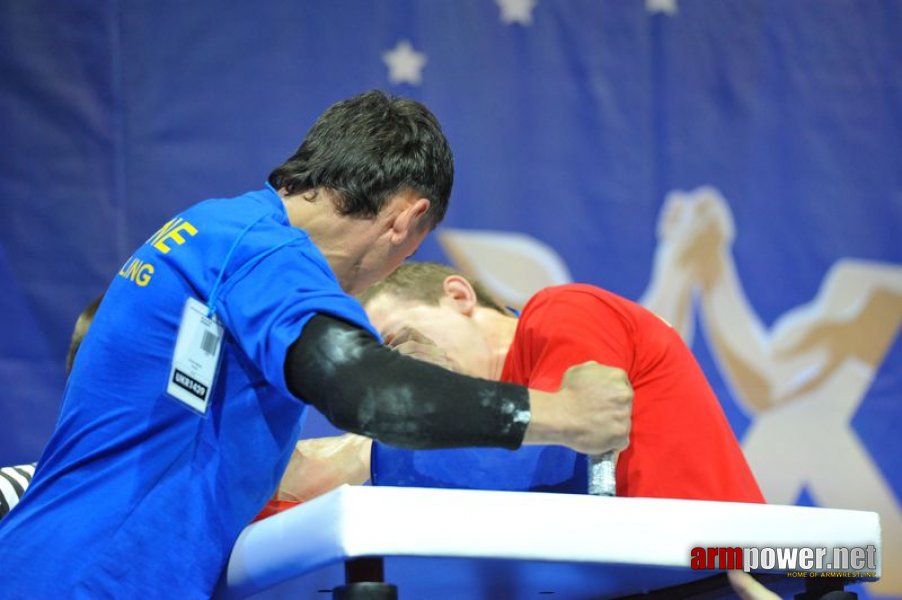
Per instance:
(136,494)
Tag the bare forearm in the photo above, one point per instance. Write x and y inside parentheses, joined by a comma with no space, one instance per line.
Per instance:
(669,293)
(370,390)
(319,465)
(741,342)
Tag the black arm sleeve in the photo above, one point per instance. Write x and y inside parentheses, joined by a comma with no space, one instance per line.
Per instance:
(364,387)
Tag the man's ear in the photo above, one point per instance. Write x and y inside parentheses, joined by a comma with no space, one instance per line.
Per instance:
(460,294)
(410,218)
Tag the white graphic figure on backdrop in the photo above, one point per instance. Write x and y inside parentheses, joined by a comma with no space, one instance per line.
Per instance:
(800,381)
(803,379)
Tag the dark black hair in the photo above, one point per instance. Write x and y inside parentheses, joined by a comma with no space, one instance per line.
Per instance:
(81,330)
(368,148)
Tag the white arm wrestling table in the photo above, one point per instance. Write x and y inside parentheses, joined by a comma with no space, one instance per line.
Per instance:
(463,544)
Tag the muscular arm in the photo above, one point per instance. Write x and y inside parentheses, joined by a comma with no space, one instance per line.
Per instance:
(365,388)
(417,405)
(741,342)
(669,293)
(852,315)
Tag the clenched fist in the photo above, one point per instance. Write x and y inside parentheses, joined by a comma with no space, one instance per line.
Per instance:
(591,412)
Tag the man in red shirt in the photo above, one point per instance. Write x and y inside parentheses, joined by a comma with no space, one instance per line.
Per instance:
(680,446)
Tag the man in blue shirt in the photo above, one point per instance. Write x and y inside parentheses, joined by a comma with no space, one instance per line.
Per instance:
(188,393)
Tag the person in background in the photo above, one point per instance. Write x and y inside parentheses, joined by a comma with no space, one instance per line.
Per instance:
(13,483)
(15,480)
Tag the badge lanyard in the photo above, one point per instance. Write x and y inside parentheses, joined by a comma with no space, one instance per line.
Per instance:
(195,360)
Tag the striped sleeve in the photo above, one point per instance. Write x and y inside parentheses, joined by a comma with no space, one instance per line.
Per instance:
(13,483)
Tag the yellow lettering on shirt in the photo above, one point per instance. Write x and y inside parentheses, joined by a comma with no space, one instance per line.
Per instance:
(172,232)
(137,271)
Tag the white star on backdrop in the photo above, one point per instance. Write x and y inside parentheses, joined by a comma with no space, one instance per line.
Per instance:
(516,11)
(405,65)
(661,6)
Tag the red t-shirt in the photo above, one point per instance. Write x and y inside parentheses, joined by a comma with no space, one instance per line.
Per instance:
(681,445)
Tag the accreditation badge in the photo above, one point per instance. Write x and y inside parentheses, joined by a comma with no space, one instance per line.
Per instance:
(196,357)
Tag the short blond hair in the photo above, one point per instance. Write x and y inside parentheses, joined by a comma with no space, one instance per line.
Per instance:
(423,281)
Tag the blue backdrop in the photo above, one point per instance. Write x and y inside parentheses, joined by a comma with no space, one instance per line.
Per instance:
(734,164)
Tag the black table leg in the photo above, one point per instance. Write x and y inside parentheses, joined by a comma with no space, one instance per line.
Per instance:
(826,589)
(365,580)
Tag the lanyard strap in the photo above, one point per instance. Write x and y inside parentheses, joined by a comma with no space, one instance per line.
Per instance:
(214,294)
